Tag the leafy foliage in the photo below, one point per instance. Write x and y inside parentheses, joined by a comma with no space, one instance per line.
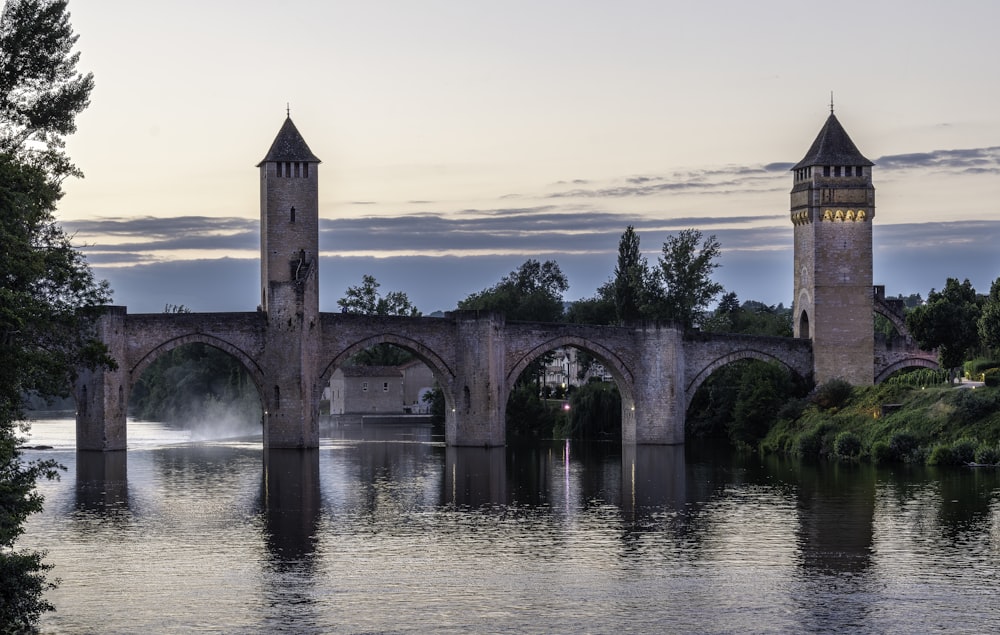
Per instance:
(40,90)
(528,415)
(595,412)
(989,320)
(751,318)
(832,394)
(532,292)
(632,278)
(367,300)
(739,401)
(686,288)
(47,293)
(947,322)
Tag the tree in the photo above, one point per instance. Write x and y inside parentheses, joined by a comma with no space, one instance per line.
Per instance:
(531,292)
(40,90)
(947,322)
(366,300)
(599,309)
(48,295)
(989,321)
(631,278)
(685,270)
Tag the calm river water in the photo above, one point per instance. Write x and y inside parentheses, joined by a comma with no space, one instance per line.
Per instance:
(385,530)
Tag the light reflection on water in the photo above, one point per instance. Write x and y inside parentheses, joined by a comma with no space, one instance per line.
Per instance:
(387,530)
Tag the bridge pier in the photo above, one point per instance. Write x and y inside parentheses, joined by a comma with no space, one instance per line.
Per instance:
(656,415)
(477,415)
(102,394)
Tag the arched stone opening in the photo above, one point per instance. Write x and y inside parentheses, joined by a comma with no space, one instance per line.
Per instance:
(221,408)
(620,374)
(905,364)
(736,397)
(443,376)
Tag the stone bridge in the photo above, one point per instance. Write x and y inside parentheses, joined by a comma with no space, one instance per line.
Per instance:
(476,358)
(291,349)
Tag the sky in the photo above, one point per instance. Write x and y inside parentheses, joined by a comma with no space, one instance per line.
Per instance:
(460,138)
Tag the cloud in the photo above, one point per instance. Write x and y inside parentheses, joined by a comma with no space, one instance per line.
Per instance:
(969,160)
(724,180)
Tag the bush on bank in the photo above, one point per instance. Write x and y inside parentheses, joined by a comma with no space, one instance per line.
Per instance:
(892,422)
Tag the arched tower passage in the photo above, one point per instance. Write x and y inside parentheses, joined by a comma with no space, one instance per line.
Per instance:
(748,353)
(248,362)
(441,370)
(911,362)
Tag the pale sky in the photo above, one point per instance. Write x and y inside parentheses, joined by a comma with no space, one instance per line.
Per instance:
(460,138)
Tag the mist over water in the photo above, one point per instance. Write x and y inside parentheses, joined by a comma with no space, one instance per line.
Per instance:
(384,529)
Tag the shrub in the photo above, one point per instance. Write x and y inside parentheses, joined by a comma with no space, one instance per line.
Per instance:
(792,409)
(808,445)
(942,455)
(987,454)
(832,394)
(847,444)
(964,450)
(991,377)
(919,377)
(903,446)
(881,453)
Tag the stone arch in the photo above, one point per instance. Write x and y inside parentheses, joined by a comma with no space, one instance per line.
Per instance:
(248,362)
(910,362)
(441,370)
(897,321)
(619,370)
(729,358)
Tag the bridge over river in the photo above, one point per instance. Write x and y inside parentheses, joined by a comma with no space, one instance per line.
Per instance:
(291,349)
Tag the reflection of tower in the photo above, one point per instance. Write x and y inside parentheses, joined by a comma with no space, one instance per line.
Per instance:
(289,259)
(832,206)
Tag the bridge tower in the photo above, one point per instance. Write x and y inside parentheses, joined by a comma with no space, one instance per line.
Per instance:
(832,207)
(289,274)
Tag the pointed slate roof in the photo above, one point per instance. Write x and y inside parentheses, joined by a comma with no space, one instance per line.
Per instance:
(289,146)
(832,147)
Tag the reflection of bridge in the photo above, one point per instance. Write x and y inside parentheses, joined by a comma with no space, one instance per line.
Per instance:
(290,349)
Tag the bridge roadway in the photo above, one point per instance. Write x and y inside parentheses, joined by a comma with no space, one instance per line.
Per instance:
(476,357)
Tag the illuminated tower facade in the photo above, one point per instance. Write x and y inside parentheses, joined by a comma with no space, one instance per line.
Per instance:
(832,208)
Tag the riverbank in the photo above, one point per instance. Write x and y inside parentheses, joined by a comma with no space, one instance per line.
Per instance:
(934,425)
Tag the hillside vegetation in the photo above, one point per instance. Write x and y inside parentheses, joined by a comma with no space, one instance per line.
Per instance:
(935,424)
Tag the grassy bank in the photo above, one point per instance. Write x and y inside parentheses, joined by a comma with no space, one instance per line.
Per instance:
(937,425)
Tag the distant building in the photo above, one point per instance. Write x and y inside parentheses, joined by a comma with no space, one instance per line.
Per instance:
(417,380)
(366,390)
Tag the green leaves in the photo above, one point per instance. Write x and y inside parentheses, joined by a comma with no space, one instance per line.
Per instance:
(532,292)
(947,322)
(366,300)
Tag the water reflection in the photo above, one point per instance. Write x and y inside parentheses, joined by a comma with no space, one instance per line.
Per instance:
(387,531)
(102,482)
(474,477)
(290,506)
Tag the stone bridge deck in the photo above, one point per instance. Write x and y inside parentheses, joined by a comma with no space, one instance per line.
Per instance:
(475,357)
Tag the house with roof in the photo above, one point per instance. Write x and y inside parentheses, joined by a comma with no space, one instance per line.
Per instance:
(366,390)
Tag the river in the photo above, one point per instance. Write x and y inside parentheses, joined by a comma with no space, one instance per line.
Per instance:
(385,530)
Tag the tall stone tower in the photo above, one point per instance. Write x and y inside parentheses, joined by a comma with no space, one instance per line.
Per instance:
(289,274)
(832,207)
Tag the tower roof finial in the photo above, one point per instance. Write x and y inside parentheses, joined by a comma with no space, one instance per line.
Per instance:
(831,102)
(288,108)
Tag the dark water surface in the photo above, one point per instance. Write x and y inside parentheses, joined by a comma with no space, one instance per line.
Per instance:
(385,530)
